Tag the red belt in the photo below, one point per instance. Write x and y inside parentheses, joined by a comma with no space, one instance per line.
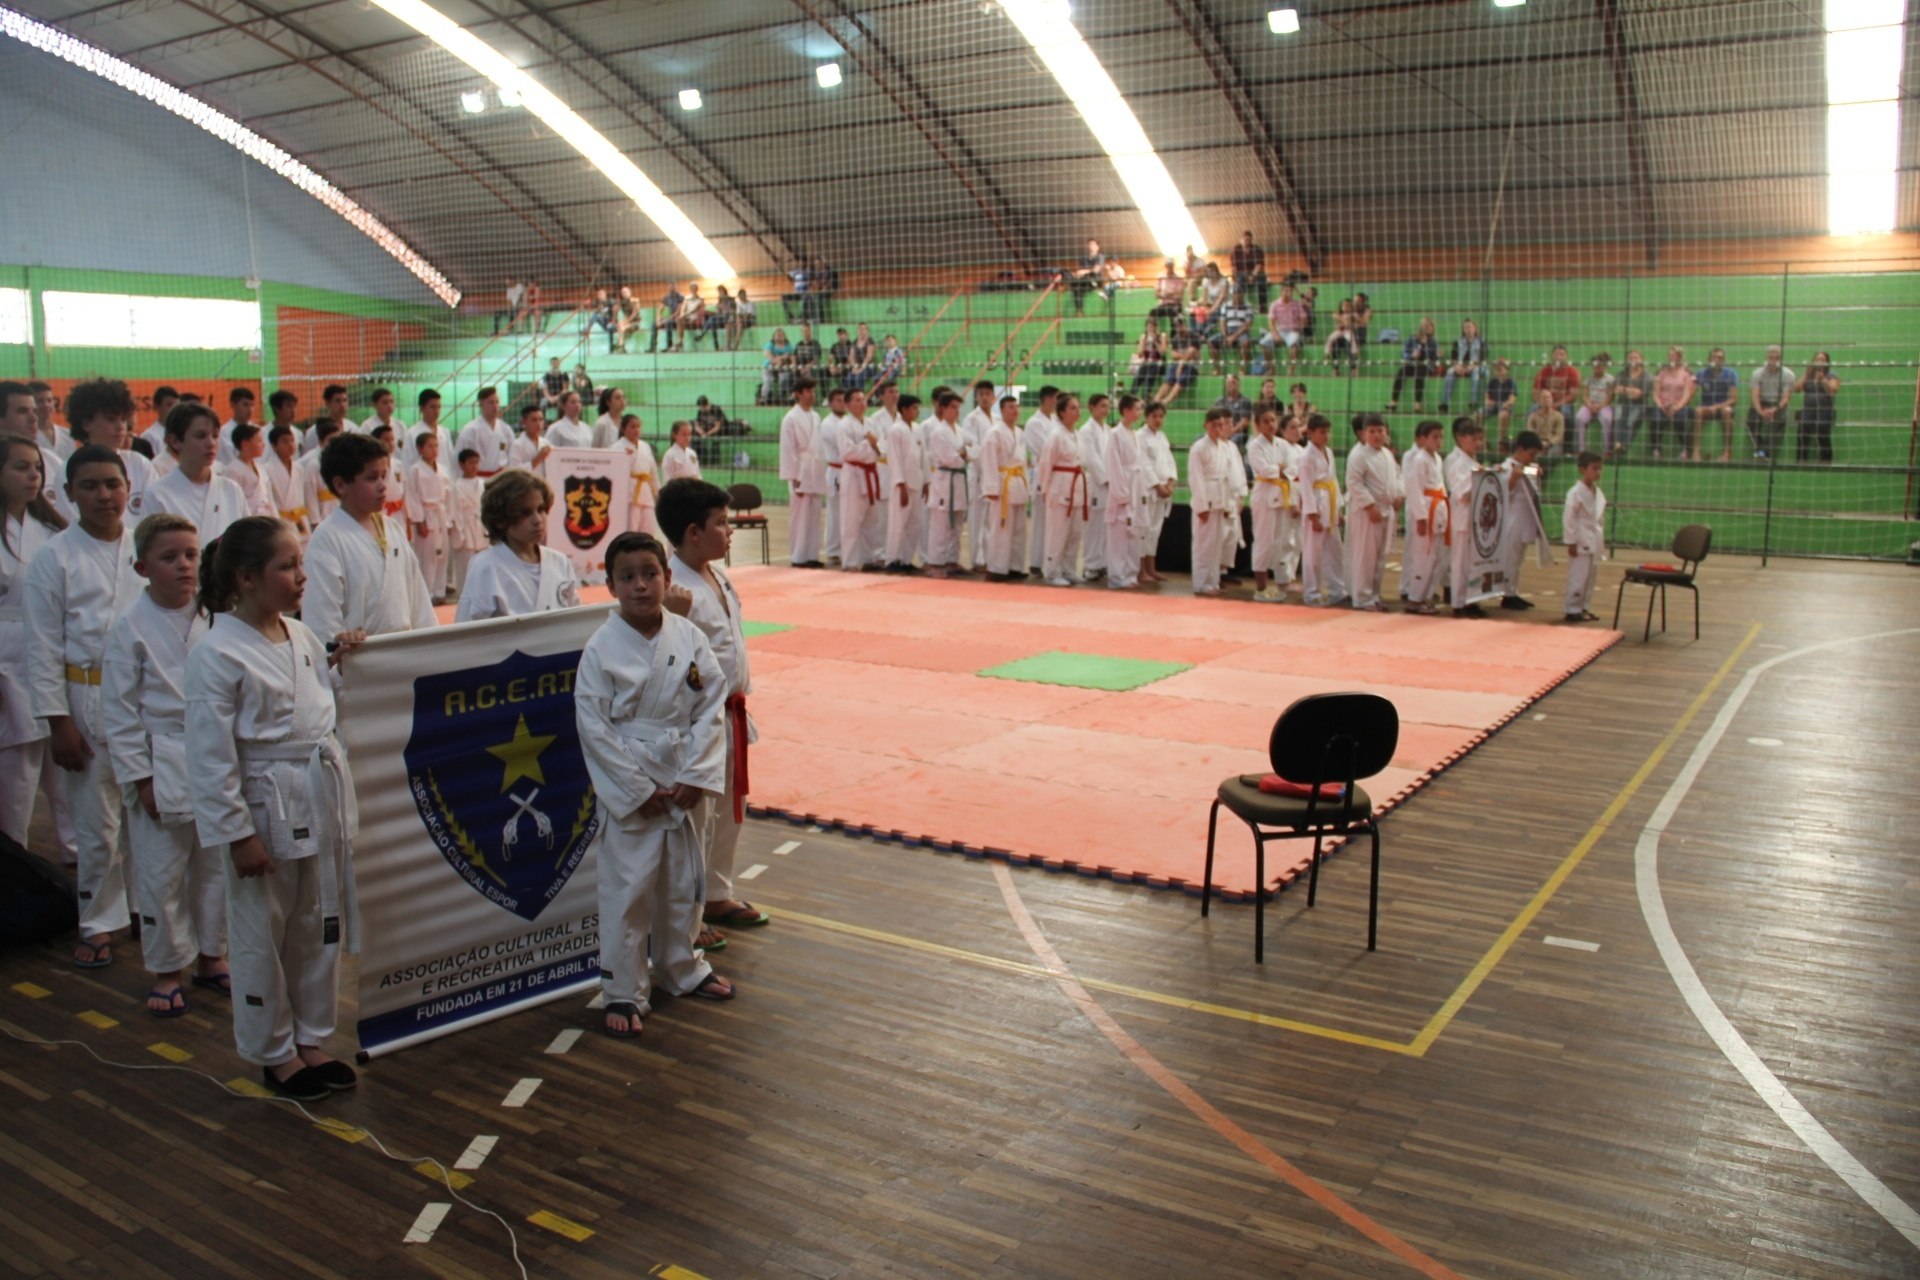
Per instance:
(737,729)
(1080,483)
(873,478)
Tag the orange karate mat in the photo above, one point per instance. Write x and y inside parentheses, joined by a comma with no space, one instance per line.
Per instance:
(874,719)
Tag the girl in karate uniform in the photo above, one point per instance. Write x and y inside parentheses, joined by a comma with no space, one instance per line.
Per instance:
(1428,515)
(1003,473)
(1158,474)
(179,884)
(429,512)
(680,461)
(649,698)
(516,575)
(646,476)
(1323,578)
(27,520)
(469,535)
(270,783)
(1123,483)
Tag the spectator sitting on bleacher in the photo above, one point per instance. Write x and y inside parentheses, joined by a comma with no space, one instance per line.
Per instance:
(823,281)
(553,385)
(1235,404)
(1497,405)
(531,313)
(1671,420)
(1268,401)
(1149,359)
(1469,362)
(1249,264)
(1361,312)
(893,360)
(779,368)
(600,316)
(693,318)
(1419,358)
(511,311)
(1560,380)
(1183,364)
(806,352)
(583,384)
(1209,292)
(795,303)
(742,319)
(1817,388)
(839,359)
(1089,275)
(1195,267)
(1343,343)
(1770,395)
(1286,327)
(665,317)
(860,373)
(720,319)
(626,318)
(709,421)
(1547,422)
(1169,293)
(1232,331)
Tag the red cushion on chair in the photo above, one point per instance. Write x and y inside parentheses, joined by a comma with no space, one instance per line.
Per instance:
(1662,568)
(1275,785)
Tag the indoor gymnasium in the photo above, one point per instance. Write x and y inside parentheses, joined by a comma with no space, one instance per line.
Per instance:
(959,638)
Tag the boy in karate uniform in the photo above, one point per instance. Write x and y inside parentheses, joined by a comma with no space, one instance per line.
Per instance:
(696,512)
(488,436)
(77,584)
(1374,494)
(469,535)
(1269,459)
(27,521)
(1210,484)
(650,703)
(517,574)
(1459,469)
(975,426)
(1003,474)
(429,499)
(1039,430)
(950,487)
(1064,482)
(1323,579)
(827,445)
(179,884)
(804,468)
(1523,517)
(286,479)
(249,447)
(862,517)
(1158,475)
(320,501)
(101,411)
(361,577)
(530,450)
(196,489)
(1123,482)
(1582,528)
(1429,531)
(1093,460)
(906,485)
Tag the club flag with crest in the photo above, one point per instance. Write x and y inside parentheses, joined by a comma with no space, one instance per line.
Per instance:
(1486,540)
(590,504)
(476,855)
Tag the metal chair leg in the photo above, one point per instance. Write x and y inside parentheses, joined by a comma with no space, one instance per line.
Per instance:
(1373,892)
(1648,633)
(1206,885)
(1663,608)
(1619,597)
(1696,613)
(1259,898)
(1313,871)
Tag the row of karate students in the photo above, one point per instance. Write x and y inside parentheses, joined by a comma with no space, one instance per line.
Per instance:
(244,860)
(1074,502)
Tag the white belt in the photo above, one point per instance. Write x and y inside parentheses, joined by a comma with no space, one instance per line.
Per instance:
(331,788)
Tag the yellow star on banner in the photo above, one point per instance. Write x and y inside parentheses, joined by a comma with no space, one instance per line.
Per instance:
(522,755)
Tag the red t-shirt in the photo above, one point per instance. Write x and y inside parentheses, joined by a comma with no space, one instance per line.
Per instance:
(1563,382)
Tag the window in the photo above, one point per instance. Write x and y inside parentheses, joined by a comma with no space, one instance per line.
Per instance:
(16,326)
(120,320)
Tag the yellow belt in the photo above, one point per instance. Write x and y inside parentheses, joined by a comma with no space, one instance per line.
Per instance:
(646,477)
(1283,484)
(1006,474)
(1436,503)
(295,515)
(1333,498)
(82,675)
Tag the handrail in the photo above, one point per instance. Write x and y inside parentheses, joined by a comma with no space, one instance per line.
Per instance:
(920,336)
(1032,351)
(1013,333)
(966,327)
(453,379)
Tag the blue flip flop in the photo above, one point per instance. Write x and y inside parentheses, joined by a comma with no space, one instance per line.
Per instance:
(176,1003)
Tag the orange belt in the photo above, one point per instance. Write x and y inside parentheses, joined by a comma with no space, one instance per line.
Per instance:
(873,478)
(1436,503)
(737,726)
(1079,482)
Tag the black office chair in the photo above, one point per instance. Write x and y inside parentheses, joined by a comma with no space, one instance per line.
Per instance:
(1324,738)
(743,512)
(1690,547)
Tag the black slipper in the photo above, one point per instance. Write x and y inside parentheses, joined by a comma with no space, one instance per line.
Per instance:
(304,1085)
(621,1009)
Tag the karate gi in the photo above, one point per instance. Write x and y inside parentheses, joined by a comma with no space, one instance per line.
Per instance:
(606,431)
(1003,474)
(525,449)
(643,726)
(429,499)
(1157,467)
(904,467)
(1522,526)
(76,586)
(1373,484)
(489,440)
(1323,578)
(827,442)
(949,491)
(502,585)
(646,487)
(1426,556)
(1123,480)
(179,884)
(287,493)
(570,433)
(260,722)
(1273,502)
(254,490)
(53,471)
(211,506)
(1064,481)
(26,765)
(921,429)
(1210,488)
(356,584)
(1039,429)
(320,502)
(469,535)
(1093,462)
(862,518)
(226,453)
(974,428)
(805,471)
(1583,531)
(1233,537)
(1457,473)
(717,614)
(679,463)
(140,478)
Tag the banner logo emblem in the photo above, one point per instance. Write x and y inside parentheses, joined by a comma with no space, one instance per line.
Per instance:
(1488,510)
(495,770)
(589,505)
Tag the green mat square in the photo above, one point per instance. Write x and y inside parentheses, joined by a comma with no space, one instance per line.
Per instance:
(752,628)
(1085,671)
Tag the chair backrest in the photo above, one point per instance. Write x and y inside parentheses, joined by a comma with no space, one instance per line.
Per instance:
(1692,543)
(1334,737)
(744,497)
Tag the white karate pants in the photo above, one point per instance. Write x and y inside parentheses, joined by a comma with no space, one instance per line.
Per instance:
(804,527)
(943,535)
(1123,557)
(903,527)
(457,561)
(1153,521)
(179,887)
(1065,527)
(1462,552)
(649,894)
(979,512)
(431,551)
(1270,550)
(24,770)
(1582,569)
(644,521)
(860,521)
(1206,550)
(1093,542)
(99,833)
(1367,543)
(830,536)
(720,836)
(286,979)
(1323,575)
(1426,560)
(1037,536)
(1006,537)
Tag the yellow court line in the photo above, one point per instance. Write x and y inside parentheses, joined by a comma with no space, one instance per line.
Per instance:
(1502,944)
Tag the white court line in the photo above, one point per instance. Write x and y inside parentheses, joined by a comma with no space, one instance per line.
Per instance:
(427,1223)
(518,1095)
(1571,944)
(564,1041)
(476,1153)
(1646,873)
(789,847)
(599,1000)
(753,871)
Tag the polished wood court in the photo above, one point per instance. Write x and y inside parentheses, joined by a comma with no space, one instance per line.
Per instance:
(911,1084)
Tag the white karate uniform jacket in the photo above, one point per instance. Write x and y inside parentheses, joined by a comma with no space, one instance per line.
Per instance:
(320,502)
(802,464)
(488,440)
(18,724)
(355,585)
(949,469)
(211,508)
(525,449)
(254,488)
(679,462)
(287,492)
(502,585)
(76,587)
(642,724)
(646,479)
(570,433)
(144,707)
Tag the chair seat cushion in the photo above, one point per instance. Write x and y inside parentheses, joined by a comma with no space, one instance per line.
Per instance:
(1274,785)
(1651,576)
(746,520)
(1242,795)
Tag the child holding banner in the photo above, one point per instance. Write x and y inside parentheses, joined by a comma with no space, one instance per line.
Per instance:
(363,576)
(270,783)
(517,574)
(649,701)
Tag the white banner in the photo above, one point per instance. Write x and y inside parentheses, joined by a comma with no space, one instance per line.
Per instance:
(476,854)
(591,505)
(1486,535)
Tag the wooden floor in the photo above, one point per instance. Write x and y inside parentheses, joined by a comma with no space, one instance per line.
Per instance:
(911,1084)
